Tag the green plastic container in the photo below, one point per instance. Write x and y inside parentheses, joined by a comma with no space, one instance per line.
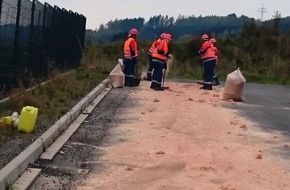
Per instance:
(27,119)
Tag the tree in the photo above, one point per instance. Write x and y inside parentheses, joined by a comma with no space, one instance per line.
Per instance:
(276,20)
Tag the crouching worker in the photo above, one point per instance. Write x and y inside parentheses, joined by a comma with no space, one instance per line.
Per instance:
(130,58)
(159,57)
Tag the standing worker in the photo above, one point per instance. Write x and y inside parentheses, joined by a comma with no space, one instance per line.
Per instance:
(159,58)
(208,60)
(215,50)
(130,58)
(150,51)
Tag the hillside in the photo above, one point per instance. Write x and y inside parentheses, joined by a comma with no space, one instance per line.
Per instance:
(180,27)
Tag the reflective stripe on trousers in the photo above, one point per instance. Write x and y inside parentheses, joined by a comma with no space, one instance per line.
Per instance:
(129,70)
(157,74)
(208,70)
(150,68)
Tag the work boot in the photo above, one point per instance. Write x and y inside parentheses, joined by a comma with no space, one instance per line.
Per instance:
(159,88)
(135,82)
(133,85)
(207,87)
(216,80)
(149,77)
(127,84)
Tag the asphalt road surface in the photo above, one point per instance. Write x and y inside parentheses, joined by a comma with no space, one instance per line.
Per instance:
(267,105)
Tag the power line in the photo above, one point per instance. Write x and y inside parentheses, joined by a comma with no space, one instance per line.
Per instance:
(262,10)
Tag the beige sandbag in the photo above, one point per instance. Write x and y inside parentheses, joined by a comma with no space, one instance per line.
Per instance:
(234,86)
(117,77)
(120,62)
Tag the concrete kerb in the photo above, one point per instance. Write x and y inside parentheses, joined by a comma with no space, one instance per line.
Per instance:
(10,173)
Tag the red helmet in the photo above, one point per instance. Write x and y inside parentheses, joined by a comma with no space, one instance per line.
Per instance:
(167,36)
(204,37)
(212,40)
(134,31)
(162,35)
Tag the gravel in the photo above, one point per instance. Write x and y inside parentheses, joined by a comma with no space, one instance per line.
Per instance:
(74,160)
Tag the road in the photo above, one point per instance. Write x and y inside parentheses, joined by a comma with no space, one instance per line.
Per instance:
(74,160)
(267,105)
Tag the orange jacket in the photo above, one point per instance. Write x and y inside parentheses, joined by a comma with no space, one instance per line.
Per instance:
(130,48)
(206,51)
(216,51)
(161,52)
(154,46)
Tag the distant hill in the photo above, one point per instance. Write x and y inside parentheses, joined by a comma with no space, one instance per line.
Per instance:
(180,28)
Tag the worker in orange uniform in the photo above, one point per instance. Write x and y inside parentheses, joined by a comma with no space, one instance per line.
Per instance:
(150,51)
(130,58)
(208,60)
(159,58)
(215,49)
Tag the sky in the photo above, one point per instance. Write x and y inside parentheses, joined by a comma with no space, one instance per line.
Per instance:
(101,11)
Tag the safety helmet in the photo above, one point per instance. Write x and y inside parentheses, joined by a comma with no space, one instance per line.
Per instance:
(162,35)
(212,40)
(204,37)
(167,36)
(134,31)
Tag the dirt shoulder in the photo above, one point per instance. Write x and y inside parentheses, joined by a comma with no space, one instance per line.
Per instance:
(183,138)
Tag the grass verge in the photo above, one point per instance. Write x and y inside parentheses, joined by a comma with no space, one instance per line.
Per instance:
(53,99)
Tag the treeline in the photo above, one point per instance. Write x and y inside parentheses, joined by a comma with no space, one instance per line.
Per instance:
(180,28)
(260,50)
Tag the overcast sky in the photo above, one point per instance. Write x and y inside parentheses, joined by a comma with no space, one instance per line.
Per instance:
(101,11)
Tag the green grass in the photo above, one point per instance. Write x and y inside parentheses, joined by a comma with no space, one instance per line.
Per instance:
(53,99)
(263,79)
(56,97)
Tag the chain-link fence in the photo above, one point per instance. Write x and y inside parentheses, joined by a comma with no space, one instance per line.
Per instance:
(35,38)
